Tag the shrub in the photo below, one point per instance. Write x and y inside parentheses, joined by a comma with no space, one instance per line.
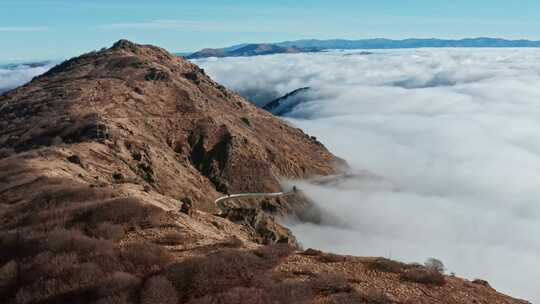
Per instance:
(9,274)
(435,264)
(158,290)
(369,297)
(215,273)
(12,245)
(192,76)
(123,298)
(481,282)
(6,152)
(61,195)
(330,284)
(156,75)
(274,253)
(117,176)
(331,258)
(424,276)
(76,159)
(56,141)
(246,121)
(108,231)
(51,218)
(386,265)
(345,298)
(60,289)
(373,296)
(60,241)
(237,295)
(431,273)
(48,265)
(65,266)
(288,292)
(147,173)
(172,238)
(187,205)
(312,252)
(125,211)
(271,292)
(117,283)
(143,258)
(136,155)
(231,242)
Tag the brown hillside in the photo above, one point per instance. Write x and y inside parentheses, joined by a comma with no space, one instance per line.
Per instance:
(157,120)
(100,161)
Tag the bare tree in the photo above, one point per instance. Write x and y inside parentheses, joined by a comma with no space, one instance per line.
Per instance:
(435,264)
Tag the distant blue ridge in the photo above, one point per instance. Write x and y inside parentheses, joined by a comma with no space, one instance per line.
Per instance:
(313,45)
(381,43)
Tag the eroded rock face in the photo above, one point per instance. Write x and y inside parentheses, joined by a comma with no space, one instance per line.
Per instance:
(263,227)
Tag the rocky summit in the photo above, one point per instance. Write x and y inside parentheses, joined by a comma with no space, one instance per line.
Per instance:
(109,167)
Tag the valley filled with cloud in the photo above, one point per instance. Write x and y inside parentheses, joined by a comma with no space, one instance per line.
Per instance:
(442,144)
(14,75)
(451,143)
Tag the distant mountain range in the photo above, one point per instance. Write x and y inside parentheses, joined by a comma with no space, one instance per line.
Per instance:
(315,45)
(251,50)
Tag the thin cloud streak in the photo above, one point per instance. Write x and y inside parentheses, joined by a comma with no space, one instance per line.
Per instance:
(154,25)
(185,26)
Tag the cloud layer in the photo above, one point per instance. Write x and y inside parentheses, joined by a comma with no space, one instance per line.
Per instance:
(454,135)
(14,75)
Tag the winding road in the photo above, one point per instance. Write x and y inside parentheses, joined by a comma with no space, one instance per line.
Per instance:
(221,200)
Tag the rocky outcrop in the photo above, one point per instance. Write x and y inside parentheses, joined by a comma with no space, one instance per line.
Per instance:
(262,226)
(284,104)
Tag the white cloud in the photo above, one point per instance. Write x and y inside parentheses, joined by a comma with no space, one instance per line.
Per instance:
(12,76)
(454,134)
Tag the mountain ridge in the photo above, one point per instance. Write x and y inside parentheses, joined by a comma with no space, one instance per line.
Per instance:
(315,45)
(279,107)
(243,50)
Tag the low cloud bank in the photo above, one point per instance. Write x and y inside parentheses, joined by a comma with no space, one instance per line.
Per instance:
(453,135)
(14,75)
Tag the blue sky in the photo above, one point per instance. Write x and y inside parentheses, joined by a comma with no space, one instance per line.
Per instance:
(55,29)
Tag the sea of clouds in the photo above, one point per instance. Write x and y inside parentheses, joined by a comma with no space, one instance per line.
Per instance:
(14,75)
(453,136)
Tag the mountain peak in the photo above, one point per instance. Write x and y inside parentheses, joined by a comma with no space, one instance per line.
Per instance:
(140,49)
(124,44)
(150,100)
(122,59)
